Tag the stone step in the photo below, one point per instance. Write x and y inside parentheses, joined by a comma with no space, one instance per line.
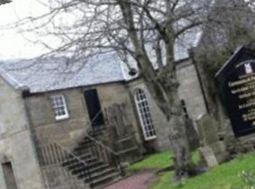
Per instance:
(85,157)
(124,139)
(83,147)
(85,141)
(81,161)
(105,179)
(97,132)
(88,166)
(92,169)
(97,172)
(82,150)
(95,175)
(124,143)
(128,150)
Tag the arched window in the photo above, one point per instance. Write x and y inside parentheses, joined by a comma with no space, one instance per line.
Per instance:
(144,113)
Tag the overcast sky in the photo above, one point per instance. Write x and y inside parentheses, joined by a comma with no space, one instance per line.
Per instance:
(13,44)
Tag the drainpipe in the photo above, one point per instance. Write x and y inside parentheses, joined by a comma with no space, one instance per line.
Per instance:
(25,94)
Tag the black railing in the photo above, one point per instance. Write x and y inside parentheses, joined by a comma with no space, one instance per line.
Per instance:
(104,152)
(52,157)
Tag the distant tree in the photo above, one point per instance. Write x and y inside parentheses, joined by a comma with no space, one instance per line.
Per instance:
(230,25)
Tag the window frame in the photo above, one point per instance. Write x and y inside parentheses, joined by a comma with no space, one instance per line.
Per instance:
(144,114)
(64,105)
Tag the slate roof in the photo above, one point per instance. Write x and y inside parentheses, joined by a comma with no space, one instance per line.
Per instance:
(60,73)
(54,73)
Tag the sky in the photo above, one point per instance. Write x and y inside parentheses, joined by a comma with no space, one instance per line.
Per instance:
(14,45)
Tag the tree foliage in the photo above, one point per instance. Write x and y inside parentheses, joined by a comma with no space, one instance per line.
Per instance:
(232,25)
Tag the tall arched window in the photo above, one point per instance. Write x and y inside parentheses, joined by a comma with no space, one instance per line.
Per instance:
(144,113)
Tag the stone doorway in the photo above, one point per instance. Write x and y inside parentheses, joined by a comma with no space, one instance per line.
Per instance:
(9,176)
(94,108)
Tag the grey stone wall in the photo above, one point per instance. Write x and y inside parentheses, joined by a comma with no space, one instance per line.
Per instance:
(189,91)
(66,131)
(69,131)
(16,145)
(116,93)
(158,119)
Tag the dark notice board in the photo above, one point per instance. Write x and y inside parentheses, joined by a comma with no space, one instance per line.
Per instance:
(236,82)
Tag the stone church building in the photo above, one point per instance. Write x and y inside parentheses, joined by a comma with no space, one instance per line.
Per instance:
(70,126)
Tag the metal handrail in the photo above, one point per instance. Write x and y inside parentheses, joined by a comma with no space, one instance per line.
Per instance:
(61,154)
(107,148)
(99,142)
(102,145)
(70,153)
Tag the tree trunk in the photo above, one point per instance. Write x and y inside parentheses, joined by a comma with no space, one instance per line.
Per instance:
(163,88)
(179,141)
(175,116)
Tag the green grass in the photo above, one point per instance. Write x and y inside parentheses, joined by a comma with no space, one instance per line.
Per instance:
(224,176)
(158,161)
(155,161)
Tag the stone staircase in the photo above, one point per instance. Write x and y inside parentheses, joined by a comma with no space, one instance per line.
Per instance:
(92,166)
(124,146)
(127,149)
(96,159)
(120,134)
(90,163)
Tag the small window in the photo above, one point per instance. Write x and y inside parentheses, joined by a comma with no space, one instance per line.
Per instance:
(59,106)
(184,107)
(143,109)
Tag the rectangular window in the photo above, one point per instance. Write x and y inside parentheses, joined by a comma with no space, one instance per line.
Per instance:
(58,103)
(144,113)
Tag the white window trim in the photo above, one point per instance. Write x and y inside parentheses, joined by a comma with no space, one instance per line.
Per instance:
(147,138)
(62,117)
(66,115)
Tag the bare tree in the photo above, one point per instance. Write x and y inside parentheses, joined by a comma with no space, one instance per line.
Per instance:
(4,1)
(87,27)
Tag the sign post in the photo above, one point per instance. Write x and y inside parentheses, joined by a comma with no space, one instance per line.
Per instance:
(237,88)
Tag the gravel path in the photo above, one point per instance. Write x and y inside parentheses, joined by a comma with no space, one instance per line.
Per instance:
(137,181)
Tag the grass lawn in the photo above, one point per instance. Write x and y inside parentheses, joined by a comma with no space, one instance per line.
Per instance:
(158,161)
(224,176)
(155,161)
